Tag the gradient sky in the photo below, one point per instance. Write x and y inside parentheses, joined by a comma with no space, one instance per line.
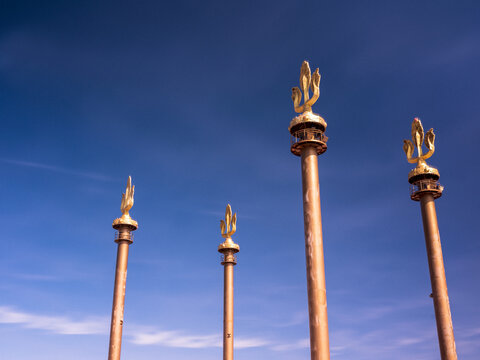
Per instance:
(192,98)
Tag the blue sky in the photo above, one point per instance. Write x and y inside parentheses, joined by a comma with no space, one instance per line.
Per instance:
(193,100)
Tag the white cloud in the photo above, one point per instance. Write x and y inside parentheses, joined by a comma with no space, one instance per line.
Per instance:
(99,326)
(182,340)
(176,339)
(394,342)
(55,324)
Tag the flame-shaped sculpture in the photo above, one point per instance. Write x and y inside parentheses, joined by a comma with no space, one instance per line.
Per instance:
(306,81)
(418,137)
(229,226)
(127,198)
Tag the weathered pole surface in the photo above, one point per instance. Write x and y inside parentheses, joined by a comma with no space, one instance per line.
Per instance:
(228,308)
(438,279)
(116,325)
(426,188)
(123,237)
(309,141)
(228,249)
(317,295)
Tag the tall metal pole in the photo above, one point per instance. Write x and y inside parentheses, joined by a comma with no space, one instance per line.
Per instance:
(438,279)
(309,141)
(425,188)
(228,248)
(124,237)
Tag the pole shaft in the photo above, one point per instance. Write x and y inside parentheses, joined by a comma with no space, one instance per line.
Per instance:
(317,297)
(228,312)
(118,301)
(437,277)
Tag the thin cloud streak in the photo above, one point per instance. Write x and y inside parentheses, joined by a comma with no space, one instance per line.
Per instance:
(181,340)
(99,326)
(57,169)
(395,341)
(55,324)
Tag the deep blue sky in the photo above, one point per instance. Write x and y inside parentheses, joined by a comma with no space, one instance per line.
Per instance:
(193,100)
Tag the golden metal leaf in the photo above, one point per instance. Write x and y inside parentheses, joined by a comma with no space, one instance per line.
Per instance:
(315,85)
(234,224)
(417,133)
(408,148)
(296,97)
(430,140)
(228,216)
(222,226)
(305,78)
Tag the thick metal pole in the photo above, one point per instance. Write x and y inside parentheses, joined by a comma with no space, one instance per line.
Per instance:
(317,296)
(118,301)
(228,310)
(437,277)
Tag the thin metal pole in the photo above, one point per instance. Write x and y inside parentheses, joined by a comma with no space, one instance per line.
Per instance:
(118,301)
(317,296)
(437,277)
(228,310)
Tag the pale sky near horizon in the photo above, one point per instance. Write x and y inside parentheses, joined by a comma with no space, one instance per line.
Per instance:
(192,99)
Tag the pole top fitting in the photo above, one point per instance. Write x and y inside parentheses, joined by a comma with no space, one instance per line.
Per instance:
(307,128)
(423,178)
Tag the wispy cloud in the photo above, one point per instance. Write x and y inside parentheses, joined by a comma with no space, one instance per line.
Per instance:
(182,340)
(176,339)
(58,169)
(55,324)
(99,326)
(394,342)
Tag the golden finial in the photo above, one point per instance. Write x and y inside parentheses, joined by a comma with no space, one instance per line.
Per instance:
(127,198)
(127,203)
(417,137)
(409,148)
(225,228)
(228,228)
(306,81)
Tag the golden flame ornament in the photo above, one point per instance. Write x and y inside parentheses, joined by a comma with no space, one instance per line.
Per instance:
(229,226)
(126,205)
(127,198)
(227,229)
(306,81)
(418,138)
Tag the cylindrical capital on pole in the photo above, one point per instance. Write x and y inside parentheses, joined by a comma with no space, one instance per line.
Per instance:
(317,298)
(438,279)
